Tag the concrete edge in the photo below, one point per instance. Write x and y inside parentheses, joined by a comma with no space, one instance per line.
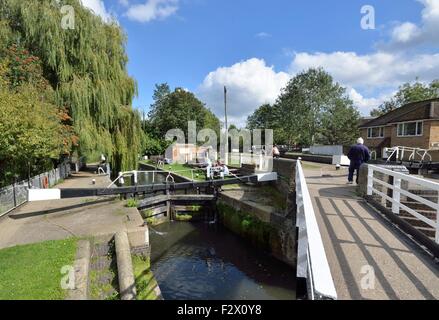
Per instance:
(81,271)
(127,284)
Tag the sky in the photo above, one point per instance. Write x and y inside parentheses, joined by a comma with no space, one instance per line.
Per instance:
(254,47)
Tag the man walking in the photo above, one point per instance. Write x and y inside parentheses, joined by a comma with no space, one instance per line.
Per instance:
(358,154)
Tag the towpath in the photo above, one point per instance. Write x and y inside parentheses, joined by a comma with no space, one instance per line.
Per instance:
(77,217)
(362,246)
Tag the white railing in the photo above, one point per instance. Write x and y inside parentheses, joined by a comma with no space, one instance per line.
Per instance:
(398,178)
(311,257)
(399,152)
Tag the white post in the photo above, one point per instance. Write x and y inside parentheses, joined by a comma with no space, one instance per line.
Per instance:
(369,180)
(135,177)
(153,177)
(396,195)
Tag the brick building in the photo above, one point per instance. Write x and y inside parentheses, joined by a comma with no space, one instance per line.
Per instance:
(413,125)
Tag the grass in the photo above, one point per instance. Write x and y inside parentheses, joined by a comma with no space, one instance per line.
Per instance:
(181,170)
(33,272)
(145,281)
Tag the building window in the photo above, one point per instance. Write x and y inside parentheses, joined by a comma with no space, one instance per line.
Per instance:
(377,132)
(410,129)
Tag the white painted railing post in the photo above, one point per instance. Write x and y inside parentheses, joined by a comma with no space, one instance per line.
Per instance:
(135,177)
(396,195)
(369,180)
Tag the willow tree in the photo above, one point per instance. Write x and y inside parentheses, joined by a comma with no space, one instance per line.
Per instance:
(86,66)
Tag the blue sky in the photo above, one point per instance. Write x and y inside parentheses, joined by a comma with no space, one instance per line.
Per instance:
(254,47)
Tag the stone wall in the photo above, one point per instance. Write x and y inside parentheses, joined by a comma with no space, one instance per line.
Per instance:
(274,231)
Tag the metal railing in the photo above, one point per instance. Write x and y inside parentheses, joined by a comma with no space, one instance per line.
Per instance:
(399,152)
(397,191)
(135,174)
(311,257)
(15,195)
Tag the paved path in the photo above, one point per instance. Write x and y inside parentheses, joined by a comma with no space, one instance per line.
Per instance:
(355,237)
(78,217)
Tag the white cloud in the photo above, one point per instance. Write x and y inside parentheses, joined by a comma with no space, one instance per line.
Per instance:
(250,84)
(152,10)
(370,78)
(371,71)
(98,7)
(364,104)
(263,35)
(410,34)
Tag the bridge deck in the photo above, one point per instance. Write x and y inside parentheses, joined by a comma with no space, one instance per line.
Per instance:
(356,236)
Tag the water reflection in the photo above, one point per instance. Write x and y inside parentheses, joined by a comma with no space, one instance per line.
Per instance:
(202,261)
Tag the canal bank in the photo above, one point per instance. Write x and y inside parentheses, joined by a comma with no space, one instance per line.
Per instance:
(257,217)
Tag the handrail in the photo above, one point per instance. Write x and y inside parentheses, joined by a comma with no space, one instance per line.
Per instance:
(399,150)
(312,262)
(397,191)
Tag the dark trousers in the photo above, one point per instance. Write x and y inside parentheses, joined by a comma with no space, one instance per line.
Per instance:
(352,168)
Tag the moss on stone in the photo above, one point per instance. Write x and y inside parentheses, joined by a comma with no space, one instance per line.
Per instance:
(249,227)
(183,217)
(145,282)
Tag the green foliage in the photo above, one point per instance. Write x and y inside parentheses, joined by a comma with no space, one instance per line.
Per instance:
(33,272)
(183,217)
(132,203)
(87,69)
(30,133)
(155,146)
(408,93)
(311,109)
(173,110)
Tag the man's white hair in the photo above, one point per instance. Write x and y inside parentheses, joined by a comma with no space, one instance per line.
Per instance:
(360,141)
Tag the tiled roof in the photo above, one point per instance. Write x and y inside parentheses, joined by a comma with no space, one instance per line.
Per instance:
(421,110)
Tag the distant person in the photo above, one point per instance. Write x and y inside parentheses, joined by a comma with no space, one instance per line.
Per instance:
(358,154)
(208,168)
(224,171)
(276,152)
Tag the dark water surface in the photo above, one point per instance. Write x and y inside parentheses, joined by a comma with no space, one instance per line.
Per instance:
(204,261)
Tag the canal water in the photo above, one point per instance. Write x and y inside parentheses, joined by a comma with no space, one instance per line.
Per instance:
(145,178)
(205,261)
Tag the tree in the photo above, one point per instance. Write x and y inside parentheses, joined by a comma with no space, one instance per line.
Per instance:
(262,118)
(305,111)
(339,124)
(408,93)
(173,110)
(35,132)
(86,67)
